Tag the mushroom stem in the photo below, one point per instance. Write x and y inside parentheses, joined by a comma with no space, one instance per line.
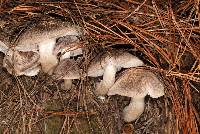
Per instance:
(67,83)
(108,80)
(47,59)
(134,109)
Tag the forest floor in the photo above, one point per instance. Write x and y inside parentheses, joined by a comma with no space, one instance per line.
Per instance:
(164,34)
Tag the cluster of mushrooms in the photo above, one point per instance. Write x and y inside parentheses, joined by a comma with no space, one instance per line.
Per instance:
(38,47)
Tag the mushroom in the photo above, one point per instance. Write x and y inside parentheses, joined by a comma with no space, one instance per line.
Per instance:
(41,38)
(107,64)
(44,36)
(67,69)
(68,46)
(136,83)
(22,63)
(19,62)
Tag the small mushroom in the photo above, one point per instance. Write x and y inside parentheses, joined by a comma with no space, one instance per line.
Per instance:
(67,69)
(107,64)
(136,83)
(22,63)
(68,46)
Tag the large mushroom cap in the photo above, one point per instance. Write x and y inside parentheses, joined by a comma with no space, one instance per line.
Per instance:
(67,69)
(137,83)
(43,31)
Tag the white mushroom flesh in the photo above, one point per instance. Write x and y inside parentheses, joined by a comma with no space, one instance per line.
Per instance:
(127,60)
(46,48)
(155,88)
(134,109)
(47,59)
(72,53)
(108,80)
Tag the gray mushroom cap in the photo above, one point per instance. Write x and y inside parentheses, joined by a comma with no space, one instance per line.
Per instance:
(137,83)
(119,59)
(43,31)
(67,69)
